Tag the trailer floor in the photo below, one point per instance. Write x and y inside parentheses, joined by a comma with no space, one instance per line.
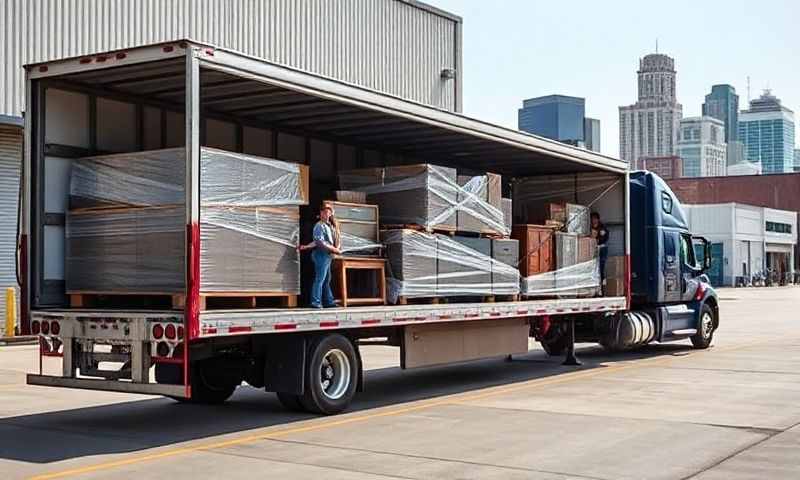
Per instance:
(667,412)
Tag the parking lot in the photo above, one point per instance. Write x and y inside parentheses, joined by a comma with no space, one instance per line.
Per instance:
(665,412)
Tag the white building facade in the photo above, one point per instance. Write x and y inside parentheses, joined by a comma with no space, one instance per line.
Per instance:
(746,240)
(701,146)
(649,128)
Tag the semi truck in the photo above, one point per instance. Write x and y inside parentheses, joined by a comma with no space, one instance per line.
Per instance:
(187,95)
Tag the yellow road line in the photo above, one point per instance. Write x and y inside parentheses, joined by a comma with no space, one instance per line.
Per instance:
(422,405)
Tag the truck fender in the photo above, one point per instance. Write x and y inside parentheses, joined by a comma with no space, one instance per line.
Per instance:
(708,297)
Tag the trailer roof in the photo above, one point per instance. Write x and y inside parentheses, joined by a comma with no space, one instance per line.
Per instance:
(240,87)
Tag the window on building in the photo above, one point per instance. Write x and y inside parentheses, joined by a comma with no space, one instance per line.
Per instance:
(778,227)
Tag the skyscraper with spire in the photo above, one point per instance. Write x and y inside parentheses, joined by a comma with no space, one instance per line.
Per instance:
(649,128)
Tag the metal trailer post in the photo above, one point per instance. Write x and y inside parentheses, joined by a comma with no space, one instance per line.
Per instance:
(628,272)
(192,307)
(23,247)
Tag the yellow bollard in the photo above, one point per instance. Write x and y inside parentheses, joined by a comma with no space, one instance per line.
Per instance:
(11,311)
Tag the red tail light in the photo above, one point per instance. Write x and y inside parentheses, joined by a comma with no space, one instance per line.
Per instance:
(55,328)
(35,327)
(45,328)
(170,332)
(158,331)
(180,333)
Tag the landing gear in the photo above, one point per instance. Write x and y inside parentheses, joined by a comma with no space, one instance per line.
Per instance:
(570,359)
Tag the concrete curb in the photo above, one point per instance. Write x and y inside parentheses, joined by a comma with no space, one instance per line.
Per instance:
(20,340)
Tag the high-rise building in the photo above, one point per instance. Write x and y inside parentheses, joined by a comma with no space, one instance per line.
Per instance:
(591,134)
(649,128)
(557,117)
(701,146)
(723,103)
(767,130)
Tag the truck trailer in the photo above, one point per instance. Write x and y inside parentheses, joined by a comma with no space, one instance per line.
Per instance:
(189,96)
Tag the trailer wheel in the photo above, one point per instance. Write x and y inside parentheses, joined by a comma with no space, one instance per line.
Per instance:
(331,375)
(555,342)
(705,334)
(209,384)
(291,402)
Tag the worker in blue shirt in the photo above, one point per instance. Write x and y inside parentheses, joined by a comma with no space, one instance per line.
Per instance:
(324,247)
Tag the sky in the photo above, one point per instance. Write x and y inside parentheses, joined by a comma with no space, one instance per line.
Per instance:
(517,49)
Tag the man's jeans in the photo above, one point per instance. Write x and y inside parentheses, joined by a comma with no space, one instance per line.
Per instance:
(321,294)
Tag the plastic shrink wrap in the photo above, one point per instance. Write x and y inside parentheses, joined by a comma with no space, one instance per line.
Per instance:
(431,196)
(433,265)
(127,220)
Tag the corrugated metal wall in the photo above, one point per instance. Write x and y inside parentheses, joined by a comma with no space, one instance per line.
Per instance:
(388,45)
(10,153)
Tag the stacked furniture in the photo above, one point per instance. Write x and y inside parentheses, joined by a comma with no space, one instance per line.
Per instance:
(359,228)
(134,205)
(555,262)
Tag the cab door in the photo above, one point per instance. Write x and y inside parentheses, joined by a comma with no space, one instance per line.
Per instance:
(690,269)
(670,268)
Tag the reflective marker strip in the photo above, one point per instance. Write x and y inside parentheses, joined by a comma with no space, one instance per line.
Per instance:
(237,329)
(285,326)
(329,324)
(371,321)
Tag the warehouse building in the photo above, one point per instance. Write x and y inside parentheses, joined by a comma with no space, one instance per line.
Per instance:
(401,47)
(746,241)
(777,191)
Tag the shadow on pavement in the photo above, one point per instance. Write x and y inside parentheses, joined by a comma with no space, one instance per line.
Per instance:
(138,425)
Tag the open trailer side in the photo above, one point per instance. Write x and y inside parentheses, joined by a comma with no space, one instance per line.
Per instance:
(187,95)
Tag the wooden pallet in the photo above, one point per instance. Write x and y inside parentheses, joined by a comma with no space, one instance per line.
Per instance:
(420,300)
(177,301)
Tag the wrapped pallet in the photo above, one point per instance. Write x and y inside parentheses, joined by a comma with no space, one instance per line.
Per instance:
(505,252)
(433,265)
(126,249)
(412,264)
(463,266)
(480,204)
(429,196)
(134,205)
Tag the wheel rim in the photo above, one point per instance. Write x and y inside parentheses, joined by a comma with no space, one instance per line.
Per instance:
(334,374)
(707,325)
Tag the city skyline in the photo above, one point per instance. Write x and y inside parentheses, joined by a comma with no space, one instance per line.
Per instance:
(505,61)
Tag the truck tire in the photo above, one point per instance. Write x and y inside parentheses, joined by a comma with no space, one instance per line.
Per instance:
(705,332)
(331,375)
(208,386)
(554,342)
(291,402)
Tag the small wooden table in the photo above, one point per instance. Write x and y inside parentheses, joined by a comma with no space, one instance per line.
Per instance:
(341,264)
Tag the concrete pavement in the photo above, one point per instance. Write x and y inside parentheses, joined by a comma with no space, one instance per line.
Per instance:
(666,412)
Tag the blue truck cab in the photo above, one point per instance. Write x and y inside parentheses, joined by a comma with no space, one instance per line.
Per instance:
(668,283)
